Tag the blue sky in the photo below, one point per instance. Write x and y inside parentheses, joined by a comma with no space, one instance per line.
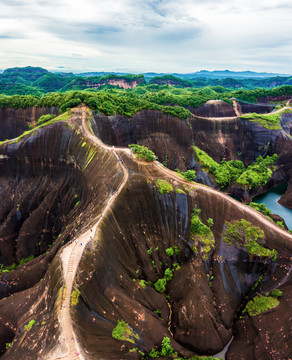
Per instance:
(147,35)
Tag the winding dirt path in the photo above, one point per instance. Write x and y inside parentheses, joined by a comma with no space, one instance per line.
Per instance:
(238,113)
(71,256)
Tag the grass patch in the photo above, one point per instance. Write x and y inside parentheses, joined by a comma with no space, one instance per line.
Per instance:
(123,331)
(164,186)
(269,121)
(143,152)
(260,304)
(179,191)
(202,233)
(7,269)
(29,325)
(243,234)
(75,297)
(63,117)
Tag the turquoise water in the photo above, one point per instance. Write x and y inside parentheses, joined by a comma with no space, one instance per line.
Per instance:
(270,199)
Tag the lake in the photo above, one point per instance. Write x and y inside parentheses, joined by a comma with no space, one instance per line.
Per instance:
(270,199)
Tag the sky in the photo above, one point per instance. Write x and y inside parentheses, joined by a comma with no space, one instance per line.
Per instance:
(147,35)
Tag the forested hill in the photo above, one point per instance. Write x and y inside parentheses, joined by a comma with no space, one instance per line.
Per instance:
(38,81)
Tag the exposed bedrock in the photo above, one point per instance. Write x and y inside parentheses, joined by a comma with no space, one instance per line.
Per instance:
(244,107)
(205,292)
(266,336)
(214,108)
(39,306)
(13,122)
(50,183)
(170,138)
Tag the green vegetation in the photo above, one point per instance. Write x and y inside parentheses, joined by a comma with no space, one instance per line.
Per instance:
(123,331)
(277,293)
(143,152)
(142,283)
(166,350)
(169,251)
(179,191)
(243,234)
(170,79)
(29,325)
(75,297)
(261,208)
(189,175)
(266,212)
(260,304)
(61,117)
(201,232)
(160,284)
(45,118)
(8,268)
(7,346)
(164,186)
(257,173)
(269,121)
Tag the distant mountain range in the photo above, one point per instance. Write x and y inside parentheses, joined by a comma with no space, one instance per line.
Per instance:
(216,74)
(37,81)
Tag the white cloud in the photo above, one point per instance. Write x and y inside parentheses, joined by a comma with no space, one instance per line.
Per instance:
(142,35)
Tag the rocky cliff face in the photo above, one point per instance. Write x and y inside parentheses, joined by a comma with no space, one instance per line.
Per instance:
(214,108)
(257,108)
(170,138)
(13,122)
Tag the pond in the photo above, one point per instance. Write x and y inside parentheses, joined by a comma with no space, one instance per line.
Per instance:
(270,199)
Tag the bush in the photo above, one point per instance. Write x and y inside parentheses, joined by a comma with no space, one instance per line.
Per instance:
(160,285)
(260,304)
(123,331)
(75,297)
(29,325)
(143,152)
(164,186)
(44,118)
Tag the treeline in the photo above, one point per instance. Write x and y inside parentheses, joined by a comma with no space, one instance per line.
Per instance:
(170,100)
(108,103)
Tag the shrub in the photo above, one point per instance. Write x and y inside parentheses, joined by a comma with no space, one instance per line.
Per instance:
(166,348)
(44,118)
(260,304)
(123,331)
(29,325)
(276,293)
(143,152)
(75,297)
(164,186)
(160,285)
(169,251)
(168,274)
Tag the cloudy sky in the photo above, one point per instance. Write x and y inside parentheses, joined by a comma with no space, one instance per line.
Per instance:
(147,35)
